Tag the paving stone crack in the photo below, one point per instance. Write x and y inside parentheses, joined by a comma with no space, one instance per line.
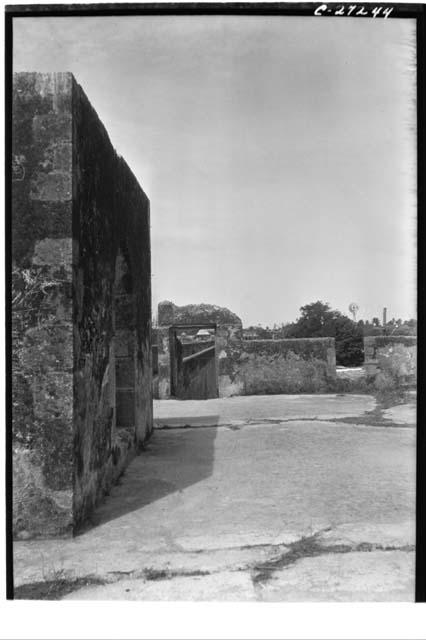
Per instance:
(368,420)
(310,547)
(282,556)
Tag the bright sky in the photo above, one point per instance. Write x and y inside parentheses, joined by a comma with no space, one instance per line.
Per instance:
(278,153)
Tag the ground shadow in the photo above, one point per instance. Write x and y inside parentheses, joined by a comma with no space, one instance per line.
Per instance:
(173,459)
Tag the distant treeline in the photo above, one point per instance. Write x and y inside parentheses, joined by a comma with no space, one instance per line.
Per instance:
(317,320)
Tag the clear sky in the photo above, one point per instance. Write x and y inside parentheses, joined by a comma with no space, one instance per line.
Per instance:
(278,153)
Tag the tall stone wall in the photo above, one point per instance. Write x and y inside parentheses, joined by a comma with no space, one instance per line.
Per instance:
(42,312)
(80,305)
(112,307)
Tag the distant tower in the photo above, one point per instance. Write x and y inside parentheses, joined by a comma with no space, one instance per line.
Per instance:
(353,308)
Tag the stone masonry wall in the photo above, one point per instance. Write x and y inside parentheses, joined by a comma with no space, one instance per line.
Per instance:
(112,310)
(42,325)
(81,274)
(392,356)
(306,365)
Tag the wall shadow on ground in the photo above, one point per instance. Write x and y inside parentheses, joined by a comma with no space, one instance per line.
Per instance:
(172,460)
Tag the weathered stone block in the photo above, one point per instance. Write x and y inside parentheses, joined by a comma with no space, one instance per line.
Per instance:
(52,187)
(125,408)
(62,157)
(125,372)
(124,343)
(124,312)
(50,127)
(54,253)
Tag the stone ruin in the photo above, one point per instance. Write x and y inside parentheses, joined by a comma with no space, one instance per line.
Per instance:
(81,307)
(236,366)
(227,328)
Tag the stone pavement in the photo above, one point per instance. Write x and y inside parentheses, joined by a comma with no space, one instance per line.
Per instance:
(401,414)
(255,409)
(286,508)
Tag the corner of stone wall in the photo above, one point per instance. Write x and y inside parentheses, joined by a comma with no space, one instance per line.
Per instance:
(67,226)
(42,332)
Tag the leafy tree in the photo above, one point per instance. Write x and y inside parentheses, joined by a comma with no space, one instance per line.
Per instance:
(318,320)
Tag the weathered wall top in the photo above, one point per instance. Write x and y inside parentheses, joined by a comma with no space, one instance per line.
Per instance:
(169,313)
(382,341)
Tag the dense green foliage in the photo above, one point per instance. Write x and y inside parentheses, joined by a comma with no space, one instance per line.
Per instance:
(319,320)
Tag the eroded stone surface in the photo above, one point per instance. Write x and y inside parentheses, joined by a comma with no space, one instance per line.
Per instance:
(42,331)
(78,216)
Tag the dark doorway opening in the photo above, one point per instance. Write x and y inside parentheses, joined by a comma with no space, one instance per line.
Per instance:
(193,361)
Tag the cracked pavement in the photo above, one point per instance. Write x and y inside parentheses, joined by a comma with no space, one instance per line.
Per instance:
(282,498)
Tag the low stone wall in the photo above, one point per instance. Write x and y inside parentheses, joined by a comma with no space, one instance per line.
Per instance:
(81,307)
(391,359)
(286,366)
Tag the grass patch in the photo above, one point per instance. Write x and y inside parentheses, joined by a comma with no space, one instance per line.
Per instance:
(61,585)
(164,574)
(54,589)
